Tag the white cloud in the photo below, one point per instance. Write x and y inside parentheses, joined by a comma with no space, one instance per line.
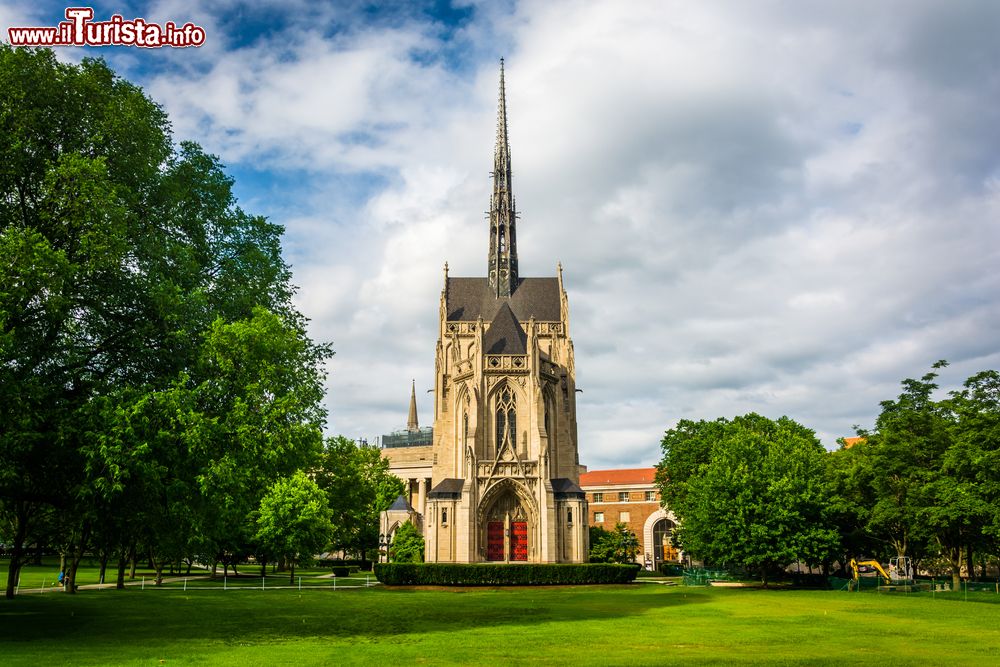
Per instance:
(776,207)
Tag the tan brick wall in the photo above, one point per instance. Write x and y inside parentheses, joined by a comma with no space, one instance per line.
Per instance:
(638,508)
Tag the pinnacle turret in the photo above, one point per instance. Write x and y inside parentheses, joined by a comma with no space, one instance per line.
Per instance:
(503,239)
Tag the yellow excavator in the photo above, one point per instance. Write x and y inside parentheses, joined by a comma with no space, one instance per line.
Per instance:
(855,566)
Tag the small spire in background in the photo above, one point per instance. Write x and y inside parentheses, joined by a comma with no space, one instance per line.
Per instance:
(411,422)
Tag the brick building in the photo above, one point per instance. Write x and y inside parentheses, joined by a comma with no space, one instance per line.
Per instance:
(630,496)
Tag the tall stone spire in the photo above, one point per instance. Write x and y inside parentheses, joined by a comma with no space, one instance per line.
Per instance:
(411,422)
(503,239)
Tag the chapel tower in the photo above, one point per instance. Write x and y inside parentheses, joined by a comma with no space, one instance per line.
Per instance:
(505,469)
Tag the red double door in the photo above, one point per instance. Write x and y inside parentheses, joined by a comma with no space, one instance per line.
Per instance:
(518,540)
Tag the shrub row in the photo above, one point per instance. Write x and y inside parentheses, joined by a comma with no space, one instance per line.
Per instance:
(669,569)
(496,574)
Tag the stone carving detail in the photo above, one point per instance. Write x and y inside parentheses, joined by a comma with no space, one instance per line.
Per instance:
(518,469)
(507,363)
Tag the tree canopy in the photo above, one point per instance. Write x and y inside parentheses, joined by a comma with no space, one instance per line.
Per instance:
(293,521)
(923,483)
(359,485)
(748,492)
(407,545)
(613,546)
(155,377)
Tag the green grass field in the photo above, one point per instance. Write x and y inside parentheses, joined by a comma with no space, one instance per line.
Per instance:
(611,625)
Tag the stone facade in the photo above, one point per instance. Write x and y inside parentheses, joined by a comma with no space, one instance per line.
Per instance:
(503,462)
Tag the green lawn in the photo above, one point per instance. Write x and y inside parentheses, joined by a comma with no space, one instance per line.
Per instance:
(34,577)
(610,625)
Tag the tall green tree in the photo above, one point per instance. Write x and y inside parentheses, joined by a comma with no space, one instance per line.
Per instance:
(293,521)
(759,500)
(80,149)
(976,438)
(850,499)
(130,284)
(360,487)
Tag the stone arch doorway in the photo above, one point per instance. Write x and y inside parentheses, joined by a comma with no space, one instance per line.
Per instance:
(663,548)
(506,527)
(656,538)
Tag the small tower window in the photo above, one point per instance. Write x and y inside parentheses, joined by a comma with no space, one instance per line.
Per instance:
(569,516)
(444,517)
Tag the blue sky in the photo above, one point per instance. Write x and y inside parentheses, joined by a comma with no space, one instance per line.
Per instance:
(775,207)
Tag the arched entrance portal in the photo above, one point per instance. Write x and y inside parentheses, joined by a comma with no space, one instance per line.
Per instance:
(663,548)
(507,529)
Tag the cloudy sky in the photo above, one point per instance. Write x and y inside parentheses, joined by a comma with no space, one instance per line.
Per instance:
(780,207)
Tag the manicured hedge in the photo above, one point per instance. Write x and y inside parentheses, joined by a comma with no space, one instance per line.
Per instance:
(496,574)
(671,569)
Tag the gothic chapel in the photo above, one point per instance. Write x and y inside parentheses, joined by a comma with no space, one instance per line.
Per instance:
(505,473)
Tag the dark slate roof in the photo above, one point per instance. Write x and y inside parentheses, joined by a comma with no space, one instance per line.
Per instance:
(563,488)
(447,489)
(401,505)
(505,335)
(469,298)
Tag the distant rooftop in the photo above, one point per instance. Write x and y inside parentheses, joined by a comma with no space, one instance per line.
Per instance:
(420,437)
(612,477)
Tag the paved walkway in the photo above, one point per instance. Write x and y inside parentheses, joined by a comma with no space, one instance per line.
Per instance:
(237,586)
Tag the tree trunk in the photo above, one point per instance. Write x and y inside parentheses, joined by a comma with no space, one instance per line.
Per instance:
(158,564)
(104,566)
(16,554)
(955,556)
(122,563)
(970,563)
(215,568)
(291,577)
(131,574)
(75,557)
(190,562)
(263,568)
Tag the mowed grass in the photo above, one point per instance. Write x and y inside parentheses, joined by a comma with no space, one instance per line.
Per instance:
(594,625)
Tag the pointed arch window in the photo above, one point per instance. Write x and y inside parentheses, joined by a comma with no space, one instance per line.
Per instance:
(506,419)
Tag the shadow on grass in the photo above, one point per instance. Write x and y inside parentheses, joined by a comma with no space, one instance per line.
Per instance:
(107,619)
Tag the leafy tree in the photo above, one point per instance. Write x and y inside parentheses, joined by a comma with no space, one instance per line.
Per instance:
(407,545)
(155,377)
(686,449)
(293,521)
(613,546)
(360,487)
(910,438)
(850,499)
(976,437)
(758,502)
(80,150)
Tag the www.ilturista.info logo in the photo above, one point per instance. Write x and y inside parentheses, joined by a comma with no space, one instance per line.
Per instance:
(80,30)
